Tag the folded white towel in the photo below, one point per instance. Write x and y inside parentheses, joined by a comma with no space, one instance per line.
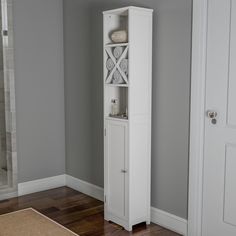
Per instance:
(110,64)
(117,78)
(117,52)
(124,65)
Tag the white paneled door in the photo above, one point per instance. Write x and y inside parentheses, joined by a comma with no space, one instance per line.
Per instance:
(116,161)
(219,180)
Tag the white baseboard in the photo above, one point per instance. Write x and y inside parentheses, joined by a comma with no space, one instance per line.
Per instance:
(4,196)
(169,221)
(41,185)
(85,187)
(158,217)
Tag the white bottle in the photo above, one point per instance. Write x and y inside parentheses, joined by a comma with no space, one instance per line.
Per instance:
(114,107)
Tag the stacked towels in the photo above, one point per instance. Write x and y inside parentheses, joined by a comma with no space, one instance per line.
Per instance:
(124,65)
(117,78)
(110,64)
(117,52)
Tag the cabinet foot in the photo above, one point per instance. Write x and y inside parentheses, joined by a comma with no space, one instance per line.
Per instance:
(129,228)
(148,222)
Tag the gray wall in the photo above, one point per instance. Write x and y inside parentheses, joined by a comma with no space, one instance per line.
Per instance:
(171,90)
(38,26)
(78,92)
(3,160)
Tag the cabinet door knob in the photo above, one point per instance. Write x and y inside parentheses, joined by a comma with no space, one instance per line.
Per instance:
(123,171)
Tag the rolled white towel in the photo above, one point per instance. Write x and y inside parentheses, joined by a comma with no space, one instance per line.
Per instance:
(117,52)
(124,65)
(117,78)
(120,36)
(110,64)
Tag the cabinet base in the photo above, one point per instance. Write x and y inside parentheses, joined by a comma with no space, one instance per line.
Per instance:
(124,222)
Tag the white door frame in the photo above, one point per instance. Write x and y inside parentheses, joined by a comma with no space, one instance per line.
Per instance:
(197,117)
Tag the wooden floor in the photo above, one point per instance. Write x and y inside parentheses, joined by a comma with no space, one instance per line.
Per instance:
(78,212)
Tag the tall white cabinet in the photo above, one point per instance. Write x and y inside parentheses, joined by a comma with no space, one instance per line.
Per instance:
(127,116)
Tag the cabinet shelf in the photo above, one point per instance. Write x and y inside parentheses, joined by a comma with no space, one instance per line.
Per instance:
(116,119)
(110,45)
(117,85)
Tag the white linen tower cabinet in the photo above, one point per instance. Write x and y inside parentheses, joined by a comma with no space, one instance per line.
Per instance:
(127,116)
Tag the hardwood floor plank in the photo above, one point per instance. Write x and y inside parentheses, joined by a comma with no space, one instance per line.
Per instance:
(80,213)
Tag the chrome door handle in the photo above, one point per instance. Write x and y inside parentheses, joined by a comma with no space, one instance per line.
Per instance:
(211,114)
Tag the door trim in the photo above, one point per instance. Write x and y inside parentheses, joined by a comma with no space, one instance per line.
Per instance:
(197,116)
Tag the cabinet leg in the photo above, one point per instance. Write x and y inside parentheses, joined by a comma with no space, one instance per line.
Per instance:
(129,228)
(148,222)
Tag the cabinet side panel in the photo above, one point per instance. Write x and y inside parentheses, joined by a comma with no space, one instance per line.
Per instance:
(140,62)
(140,93)
(139,173)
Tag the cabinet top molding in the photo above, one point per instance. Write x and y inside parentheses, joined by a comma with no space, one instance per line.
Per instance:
(120,10)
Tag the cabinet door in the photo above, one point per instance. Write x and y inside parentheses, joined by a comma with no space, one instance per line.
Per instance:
(116,167)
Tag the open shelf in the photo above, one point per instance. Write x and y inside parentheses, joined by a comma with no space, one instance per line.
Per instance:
(116,68)
(120,94)
(116,64)
(115,21)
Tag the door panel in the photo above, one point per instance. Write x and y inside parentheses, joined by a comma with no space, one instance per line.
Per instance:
(230,185)
(231,111)
(219,180)
(116,158)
